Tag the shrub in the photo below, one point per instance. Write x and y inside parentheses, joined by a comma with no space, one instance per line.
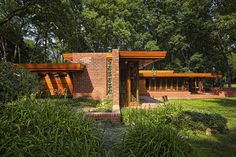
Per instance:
(151,140)
(160,115)
(104,106)
(30,128)
(16,82)
(201,121)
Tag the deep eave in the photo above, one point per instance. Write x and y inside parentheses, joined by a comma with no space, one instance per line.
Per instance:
(157,73)
(138,55)
(52,67)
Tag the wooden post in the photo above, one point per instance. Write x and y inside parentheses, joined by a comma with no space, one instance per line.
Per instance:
(137,89)
(128,85)
(166,85)
(183,84)
(149,84)
(177,84)
(155,84)
(160,84)
(49,84)
(171,84)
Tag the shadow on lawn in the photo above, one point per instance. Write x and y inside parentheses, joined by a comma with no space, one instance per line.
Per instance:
(217,145)
(226,102)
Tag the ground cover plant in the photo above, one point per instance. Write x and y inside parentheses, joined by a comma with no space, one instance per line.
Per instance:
(142,140)
(44,128)
(93,105)
(175,116)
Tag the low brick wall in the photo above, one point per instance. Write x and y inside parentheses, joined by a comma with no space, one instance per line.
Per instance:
(230,92)
(159,94)
(186,94)
(104,116)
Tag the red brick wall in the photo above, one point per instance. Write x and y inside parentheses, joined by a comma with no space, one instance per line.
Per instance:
(92,81)
(186,94)
(104,116)
(115,81)
(159,94)
(230,92)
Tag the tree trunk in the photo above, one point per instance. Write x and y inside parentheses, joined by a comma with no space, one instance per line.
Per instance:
(227,69)
(3,44)
(19,54)
(15,53)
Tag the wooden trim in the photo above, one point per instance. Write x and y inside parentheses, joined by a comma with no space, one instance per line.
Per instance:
(149,73)
(143,54)
(128,85)
(171,84)
(68,56)
(182,84)
(166,86)
(177,84)
(161,83)
(49,84)
(137,90)
(52,67)
(109,56)
(155,85)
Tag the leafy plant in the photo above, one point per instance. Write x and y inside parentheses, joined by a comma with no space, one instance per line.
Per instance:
(154,141)
(32,128)
(160,115)
(16,82)
(104,106)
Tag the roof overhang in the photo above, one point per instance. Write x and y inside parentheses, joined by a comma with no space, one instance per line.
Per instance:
(52,67)
(157,73)
(140,55)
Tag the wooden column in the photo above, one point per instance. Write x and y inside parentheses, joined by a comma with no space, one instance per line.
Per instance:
(155,85)
(183,84)
(137,89)
(49,84)
(149,84)
(166,85)
(160,84)
(177,84)
(171,84)
(128,84)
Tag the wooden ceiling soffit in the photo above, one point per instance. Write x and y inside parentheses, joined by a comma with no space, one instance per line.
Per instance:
(52,67)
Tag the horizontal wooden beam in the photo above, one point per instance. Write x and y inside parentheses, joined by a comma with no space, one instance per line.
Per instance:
(52,67)
(143,54)
(156,73)
(68,56)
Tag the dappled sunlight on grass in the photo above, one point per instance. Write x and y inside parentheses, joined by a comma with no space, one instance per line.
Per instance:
(216,145)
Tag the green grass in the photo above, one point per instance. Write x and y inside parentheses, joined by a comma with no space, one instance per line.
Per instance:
(80,103)
(232,85)
(217,145)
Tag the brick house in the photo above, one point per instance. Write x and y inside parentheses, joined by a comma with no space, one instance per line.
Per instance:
(119,73)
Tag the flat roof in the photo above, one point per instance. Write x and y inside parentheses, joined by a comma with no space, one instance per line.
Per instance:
(52,67)
(157,73)
(140,55)
(143,55)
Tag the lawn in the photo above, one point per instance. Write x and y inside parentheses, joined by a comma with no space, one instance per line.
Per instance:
(232,85)
(217,145)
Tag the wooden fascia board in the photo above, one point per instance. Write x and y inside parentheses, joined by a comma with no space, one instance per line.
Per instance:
(52,67)
(188,75)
